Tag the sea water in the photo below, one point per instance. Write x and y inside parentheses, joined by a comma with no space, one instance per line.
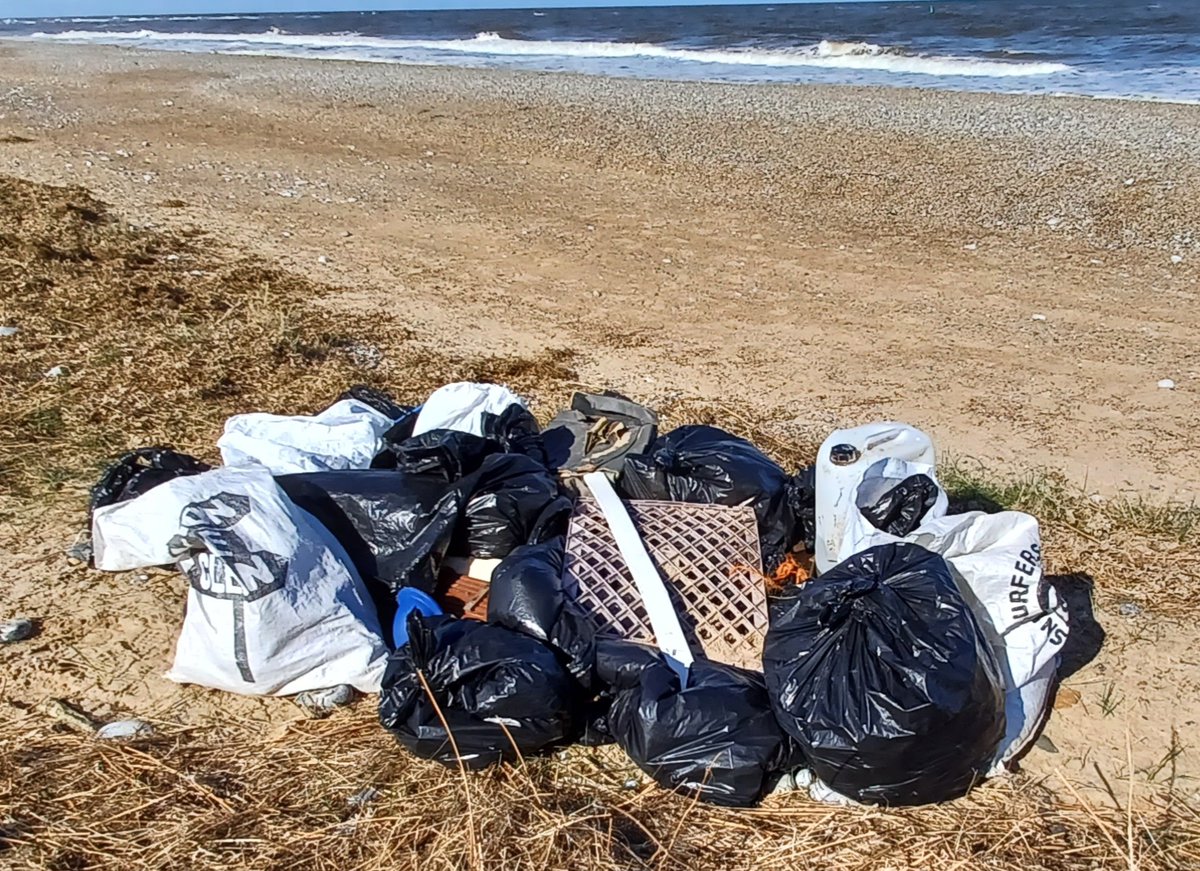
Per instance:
(1109,49)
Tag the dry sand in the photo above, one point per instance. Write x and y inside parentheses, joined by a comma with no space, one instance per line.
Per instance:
(1013,274)
(823,256)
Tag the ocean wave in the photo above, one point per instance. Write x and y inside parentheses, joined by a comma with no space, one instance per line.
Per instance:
(827,53)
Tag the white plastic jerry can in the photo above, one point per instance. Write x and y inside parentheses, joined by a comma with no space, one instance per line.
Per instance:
(841,464)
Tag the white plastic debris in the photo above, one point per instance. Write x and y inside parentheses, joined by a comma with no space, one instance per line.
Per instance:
(971,246)
(1176,259)
(461,407)
(1038,317)
(1053,222)
(5,332)
(55,372)
(363,796)
(1166,384)
(124,729)
(323,260)
(347,435)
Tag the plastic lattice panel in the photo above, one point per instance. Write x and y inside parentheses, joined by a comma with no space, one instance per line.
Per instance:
(710,558)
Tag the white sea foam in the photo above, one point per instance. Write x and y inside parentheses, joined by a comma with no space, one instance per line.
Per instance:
(828,54)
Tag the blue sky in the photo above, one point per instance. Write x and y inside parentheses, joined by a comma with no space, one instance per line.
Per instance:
(49,8)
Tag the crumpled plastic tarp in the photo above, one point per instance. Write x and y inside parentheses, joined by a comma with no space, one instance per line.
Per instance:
(884,676)
(597,433)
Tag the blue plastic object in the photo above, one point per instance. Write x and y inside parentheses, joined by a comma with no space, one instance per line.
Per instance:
(411,599)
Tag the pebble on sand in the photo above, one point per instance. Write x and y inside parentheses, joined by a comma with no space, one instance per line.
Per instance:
(123,729)
(321,703)
(363,796)
(1166,384)
(12,631)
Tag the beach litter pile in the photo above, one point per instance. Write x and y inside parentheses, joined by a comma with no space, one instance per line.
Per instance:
(509,589)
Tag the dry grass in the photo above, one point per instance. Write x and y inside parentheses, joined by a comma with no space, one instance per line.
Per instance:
(236,799)
(161,337)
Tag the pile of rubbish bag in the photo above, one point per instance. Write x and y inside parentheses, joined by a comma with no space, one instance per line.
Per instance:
(917,660)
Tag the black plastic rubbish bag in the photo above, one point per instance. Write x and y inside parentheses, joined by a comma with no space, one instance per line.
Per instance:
(447,453)
(515,430)
(380,400)
(882,674)
(802,496)
(512,500)
(715,739)
(706,464)
(529,593)
(395,527)
(139,471)
(901,509)
(454,454)
(501,692)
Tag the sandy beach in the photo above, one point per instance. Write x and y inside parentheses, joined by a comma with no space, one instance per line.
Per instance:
(1015,275)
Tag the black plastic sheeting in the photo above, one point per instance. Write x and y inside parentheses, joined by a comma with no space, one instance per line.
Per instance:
(716,739)
(901,509)
(140,471)
(502,693)
(395,527)
(529,593)
(398,527)
(706,464)
(880,671)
